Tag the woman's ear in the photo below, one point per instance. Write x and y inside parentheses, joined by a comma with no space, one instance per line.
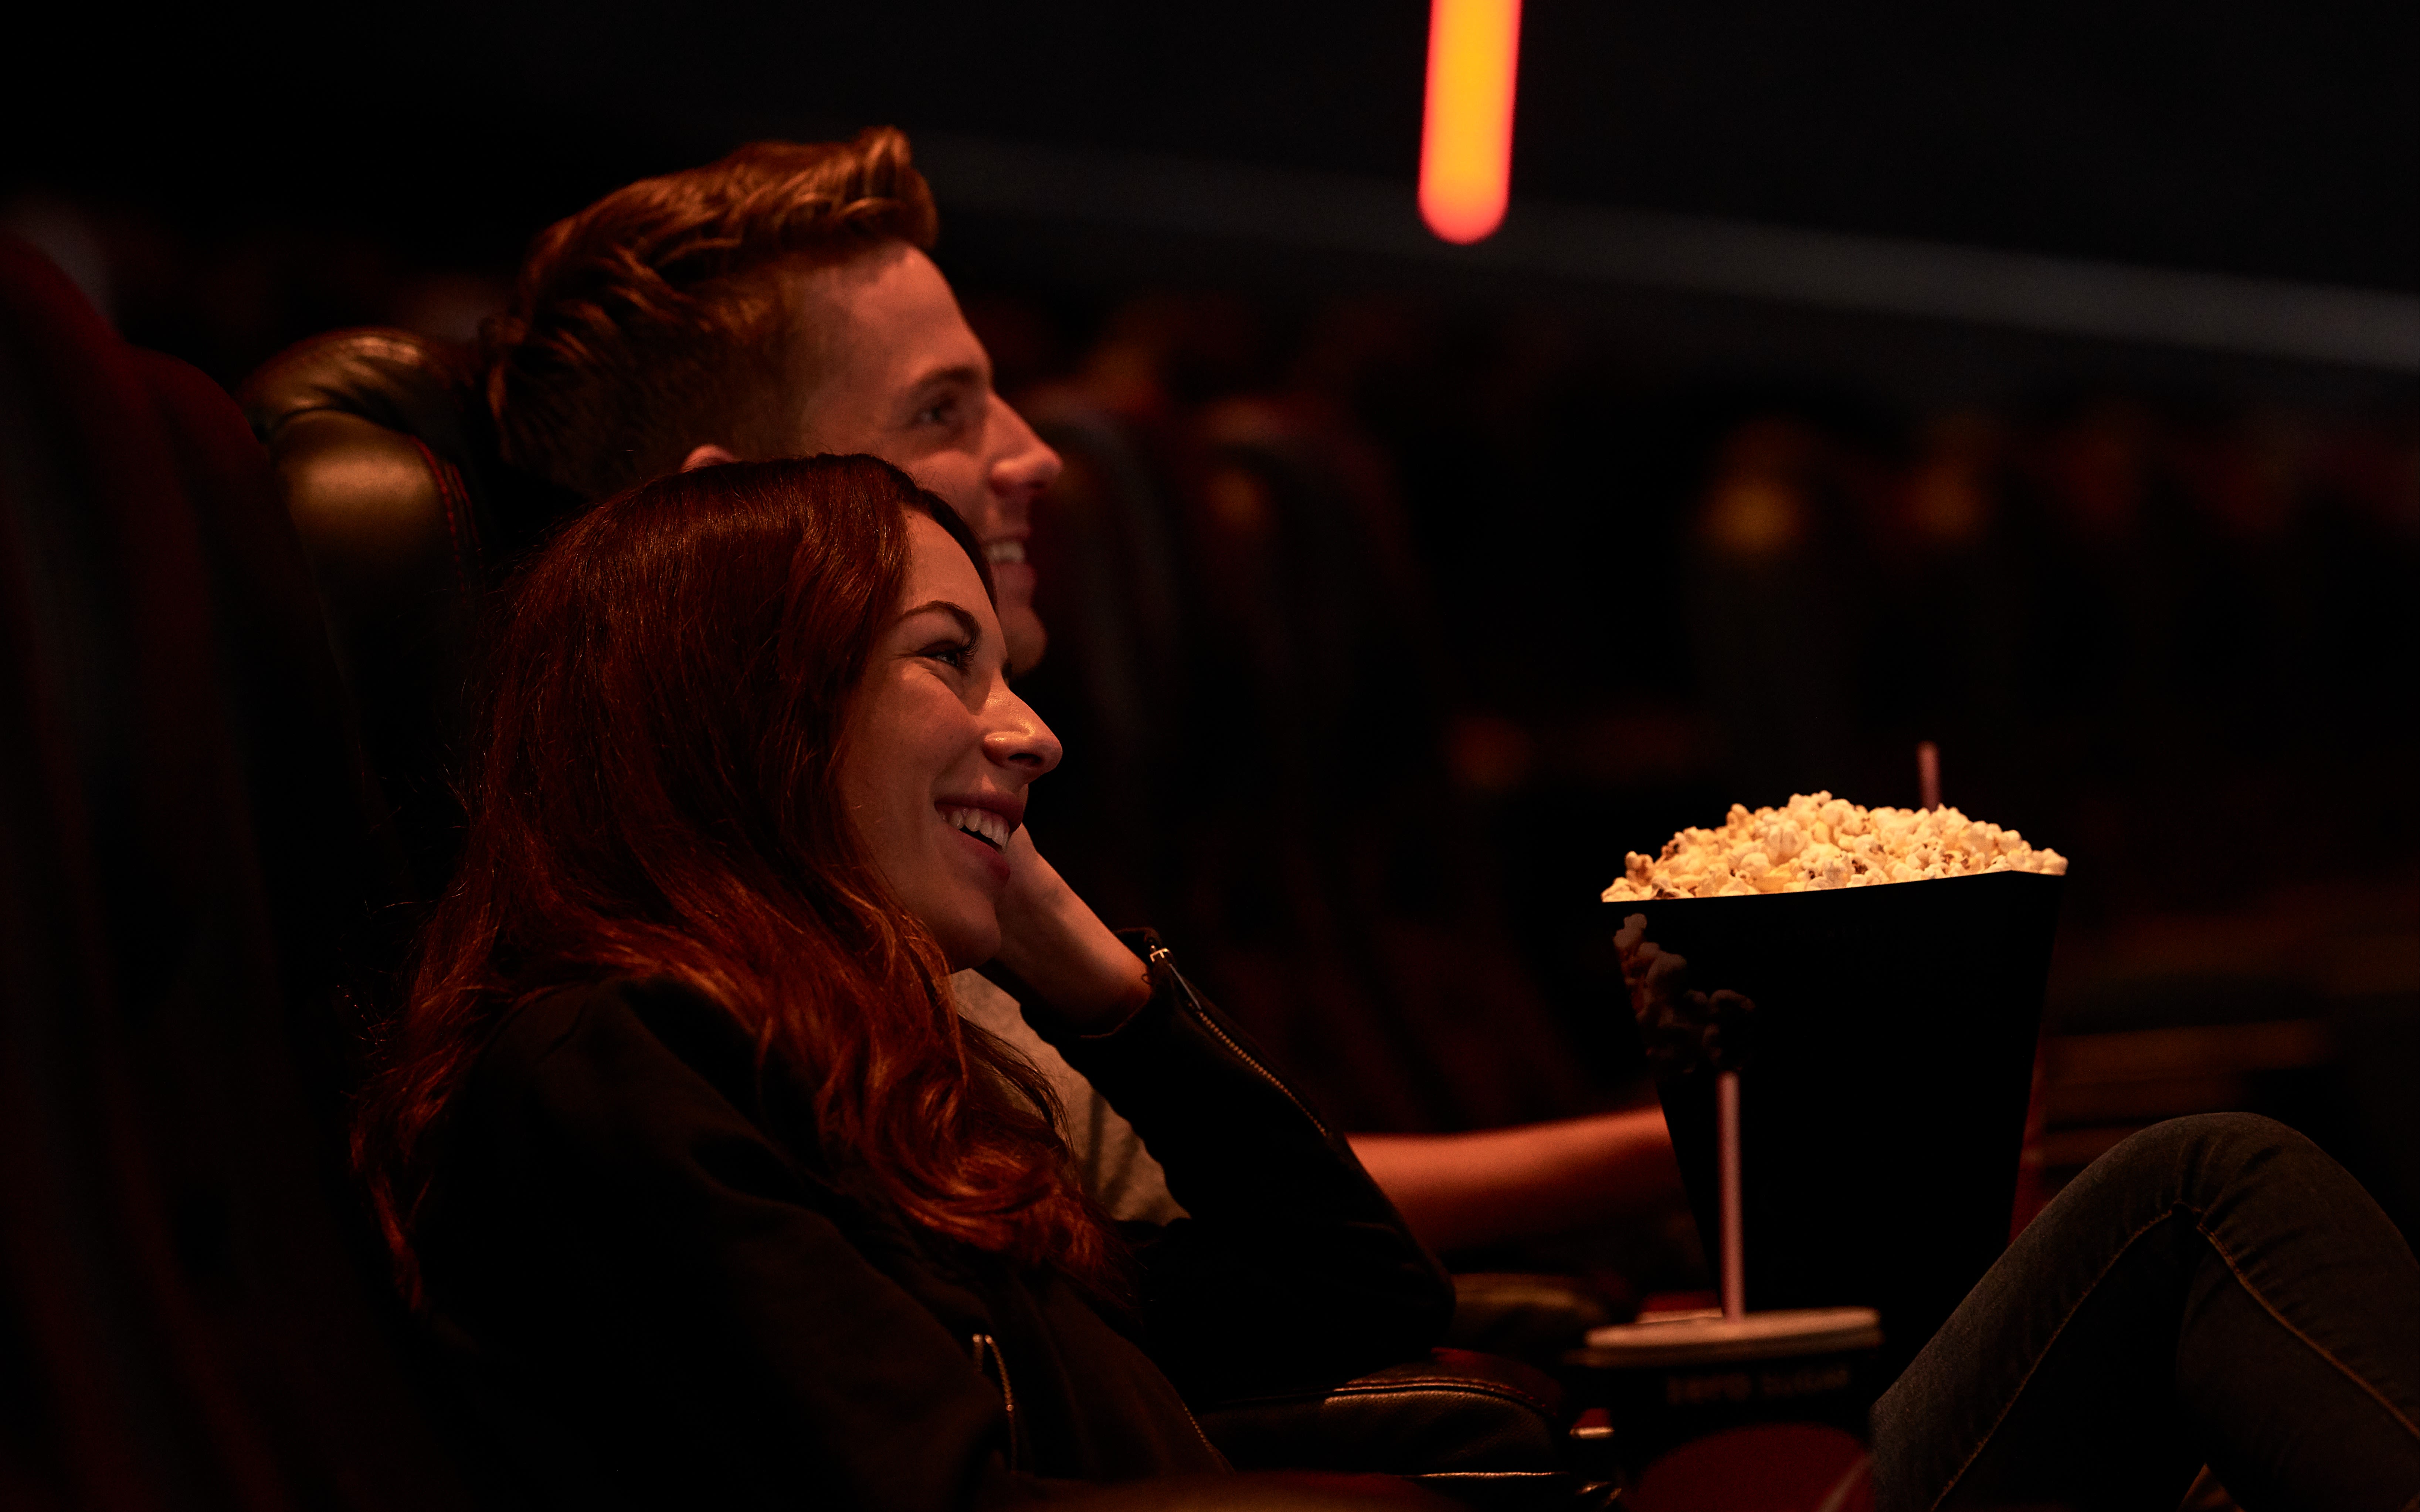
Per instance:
(707,455)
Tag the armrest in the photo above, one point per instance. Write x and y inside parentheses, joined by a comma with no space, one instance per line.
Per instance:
(1531,1318)
(1457,1412)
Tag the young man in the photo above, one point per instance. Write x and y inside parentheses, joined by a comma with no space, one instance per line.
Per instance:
(779,303)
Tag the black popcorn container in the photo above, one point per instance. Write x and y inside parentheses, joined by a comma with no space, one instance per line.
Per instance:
(1882,1112)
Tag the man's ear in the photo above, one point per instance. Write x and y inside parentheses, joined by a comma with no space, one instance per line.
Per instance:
(707,455)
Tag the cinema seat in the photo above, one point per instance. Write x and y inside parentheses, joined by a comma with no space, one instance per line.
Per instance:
(195,1306)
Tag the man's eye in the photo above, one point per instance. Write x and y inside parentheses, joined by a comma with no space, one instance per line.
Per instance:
(941,412)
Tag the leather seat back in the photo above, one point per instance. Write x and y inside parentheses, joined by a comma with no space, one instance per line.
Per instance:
(387,465)
(192,1293)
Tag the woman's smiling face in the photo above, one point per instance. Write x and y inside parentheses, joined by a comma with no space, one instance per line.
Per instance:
(939,752)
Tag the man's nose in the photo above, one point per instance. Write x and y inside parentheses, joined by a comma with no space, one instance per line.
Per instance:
(1018,739)
(1022,464)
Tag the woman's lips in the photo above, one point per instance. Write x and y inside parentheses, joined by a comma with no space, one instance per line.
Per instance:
(990,828)
(982,834)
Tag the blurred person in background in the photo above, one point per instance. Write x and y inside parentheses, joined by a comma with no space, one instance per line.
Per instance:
(780,303)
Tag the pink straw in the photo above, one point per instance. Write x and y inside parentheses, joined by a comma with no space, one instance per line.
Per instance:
(1727,1134)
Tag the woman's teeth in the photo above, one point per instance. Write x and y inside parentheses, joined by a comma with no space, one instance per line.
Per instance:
(982,823)
(1000,551)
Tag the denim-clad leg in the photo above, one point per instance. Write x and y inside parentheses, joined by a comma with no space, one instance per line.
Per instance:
(2213,1290)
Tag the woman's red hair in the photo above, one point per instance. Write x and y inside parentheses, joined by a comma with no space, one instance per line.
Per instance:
(655,795)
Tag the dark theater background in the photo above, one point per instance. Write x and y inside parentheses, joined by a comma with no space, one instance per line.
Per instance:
(2041,381)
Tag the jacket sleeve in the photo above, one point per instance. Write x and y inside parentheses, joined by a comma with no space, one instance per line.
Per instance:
(653,1272)
(1294,1268)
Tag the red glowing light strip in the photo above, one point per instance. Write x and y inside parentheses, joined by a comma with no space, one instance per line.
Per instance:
(1467,135)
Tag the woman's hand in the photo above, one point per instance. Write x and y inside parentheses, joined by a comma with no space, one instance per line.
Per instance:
(1057,947)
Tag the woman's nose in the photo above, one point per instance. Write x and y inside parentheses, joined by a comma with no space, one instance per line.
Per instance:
(1018,739)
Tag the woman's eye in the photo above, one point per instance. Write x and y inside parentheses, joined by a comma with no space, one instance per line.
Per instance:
(957,653)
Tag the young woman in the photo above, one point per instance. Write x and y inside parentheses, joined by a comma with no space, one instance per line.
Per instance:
(683,1146)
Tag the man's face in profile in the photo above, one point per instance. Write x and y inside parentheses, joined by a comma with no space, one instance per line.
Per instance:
(898,375)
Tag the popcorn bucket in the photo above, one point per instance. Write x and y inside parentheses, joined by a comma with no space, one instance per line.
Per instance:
(1883,1109)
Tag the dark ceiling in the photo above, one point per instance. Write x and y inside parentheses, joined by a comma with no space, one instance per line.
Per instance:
(2273,139)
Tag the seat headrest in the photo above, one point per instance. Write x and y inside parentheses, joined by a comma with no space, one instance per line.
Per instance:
(420,389)
(395,378)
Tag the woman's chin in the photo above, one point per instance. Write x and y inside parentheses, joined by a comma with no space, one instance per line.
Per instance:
(968,942)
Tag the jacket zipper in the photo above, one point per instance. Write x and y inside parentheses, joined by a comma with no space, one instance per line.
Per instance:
(1159,957)
(994,1367)
(1195,1423)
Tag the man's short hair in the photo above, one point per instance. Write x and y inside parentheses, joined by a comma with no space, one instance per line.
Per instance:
(657,319)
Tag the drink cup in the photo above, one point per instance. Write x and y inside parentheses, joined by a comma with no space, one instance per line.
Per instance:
(1714,1414)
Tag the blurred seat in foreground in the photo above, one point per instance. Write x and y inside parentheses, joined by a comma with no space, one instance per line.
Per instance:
(195,1311)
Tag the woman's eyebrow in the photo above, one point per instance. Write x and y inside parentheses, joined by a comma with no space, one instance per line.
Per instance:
(967,623)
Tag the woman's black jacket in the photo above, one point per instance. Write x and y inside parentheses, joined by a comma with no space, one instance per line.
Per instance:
(662,1294)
